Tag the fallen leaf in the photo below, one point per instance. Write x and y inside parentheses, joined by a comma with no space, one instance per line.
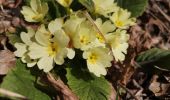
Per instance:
(7,61)
(158,88)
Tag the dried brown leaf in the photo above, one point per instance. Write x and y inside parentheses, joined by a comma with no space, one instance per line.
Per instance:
(7,61)
(61,87)
(158,88)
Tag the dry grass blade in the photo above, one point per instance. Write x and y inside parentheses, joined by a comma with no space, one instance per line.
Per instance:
(97,29)
(61,87)
(162,12)
(12,94)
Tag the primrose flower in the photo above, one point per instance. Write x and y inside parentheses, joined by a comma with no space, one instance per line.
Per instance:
(105,28)
(121,19)
(118,41)
(97,60)
(105,7)
(43,35)
(22,50)
(65,3)
(84,35)
(51,46)
(36,12)
(71,25)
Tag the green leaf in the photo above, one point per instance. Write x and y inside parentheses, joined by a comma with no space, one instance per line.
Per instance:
(54,10)
(87,86)
(88,4)
(156,57)
(13,38)
(20,80)
(136,7)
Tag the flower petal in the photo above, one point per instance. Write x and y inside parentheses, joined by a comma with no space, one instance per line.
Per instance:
(64,3)
(44,8)
(35,4)
(21,49)
(71,53)
(42,36)
(37,51)
(71,25)
(28,14)
(97,60)
(61,38)
(97,69)
(25,38)
(30,32)
(55,25)
(30,63)
(45,63)
(59,58)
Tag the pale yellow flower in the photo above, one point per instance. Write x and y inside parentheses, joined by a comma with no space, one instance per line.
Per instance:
(104,28)
(105,7)
(22,50)
(122,19)
(118,42)
(51,46)
(97,60)
(65,3)
(36,12)
(84,35)
(71,24)
(43,35)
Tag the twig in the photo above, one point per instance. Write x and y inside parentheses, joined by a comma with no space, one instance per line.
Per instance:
(95,26)
(2,8)
(124,87)
(160,21)
(97,29)
(60,86)
(162,12)
(138,92)
(12,94)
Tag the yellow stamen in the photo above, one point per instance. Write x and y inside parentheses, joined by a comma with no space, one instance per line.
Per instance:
(83,40)
(92,58)
(52,49)
(100,38)
(119,23)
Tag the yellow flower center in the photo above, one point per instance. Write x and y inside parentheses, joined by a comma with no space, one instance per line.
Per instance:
(100,38)
(92,58)
(83,40)
(118,23)
(52,49)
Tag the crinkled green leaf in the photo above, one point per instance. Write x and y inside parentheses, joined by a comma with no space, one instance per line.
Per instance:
(54,9)
(88,4)
(156,57)
(136,7)
(20,80)
(13,38)
(87,86)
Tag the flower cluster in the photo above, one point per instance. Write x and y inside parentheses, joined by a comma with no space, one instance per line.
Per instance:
(100,40)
